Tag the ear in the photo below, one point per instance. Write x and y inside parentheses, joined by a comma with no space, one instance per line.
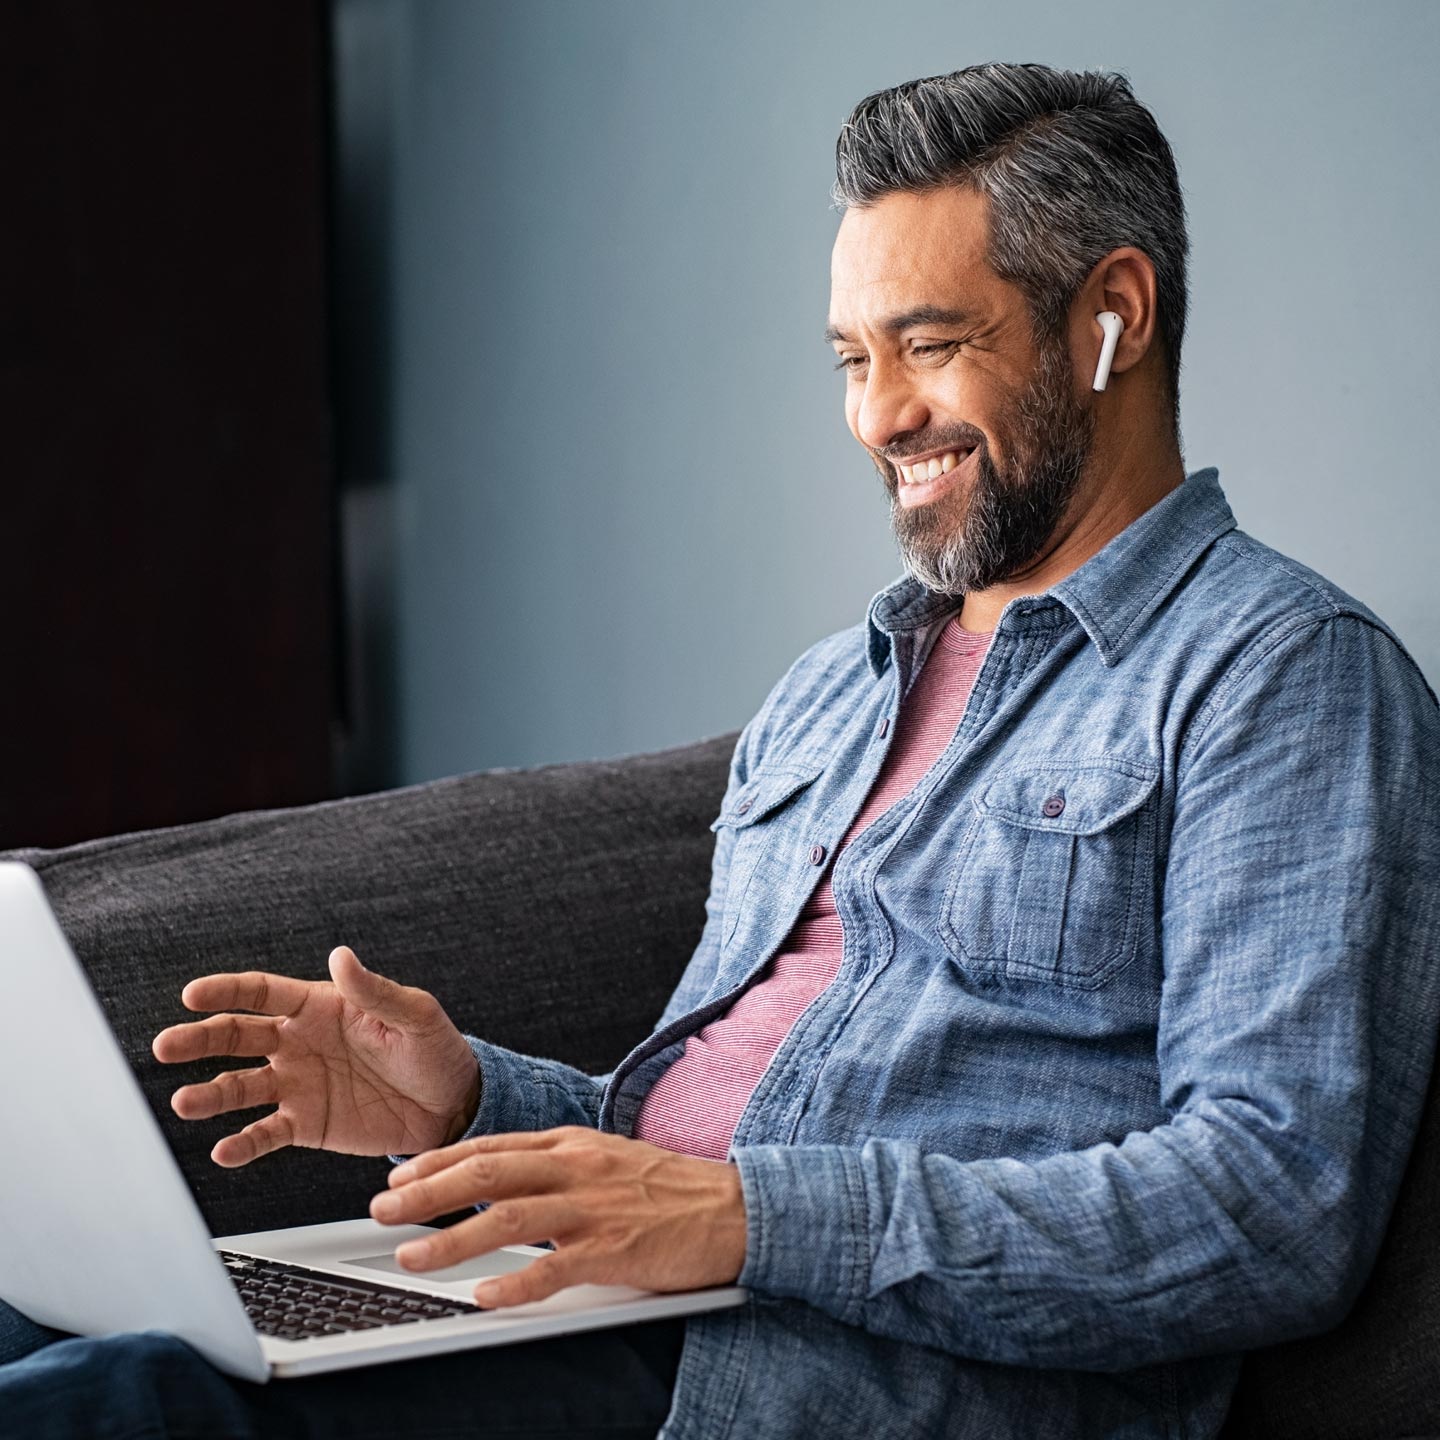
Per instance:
(1122,281)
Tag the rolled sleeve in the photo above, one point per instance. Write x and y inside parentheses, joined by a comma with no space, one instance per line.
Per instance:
(807,1225)
(520,1092)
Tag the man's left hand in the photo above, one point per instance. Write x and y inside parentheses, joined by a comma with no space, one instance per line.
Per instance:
(620,1212)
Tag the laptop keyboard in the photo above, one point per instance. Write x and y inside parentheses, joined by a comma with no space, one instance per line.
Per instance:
(293,1303)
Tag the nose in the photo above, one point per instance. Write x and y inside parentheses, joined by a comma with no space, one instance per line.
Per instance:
(890,405)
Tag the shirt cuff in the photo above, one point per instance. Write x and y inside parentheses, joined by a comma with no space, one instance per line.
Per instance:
(807,1225)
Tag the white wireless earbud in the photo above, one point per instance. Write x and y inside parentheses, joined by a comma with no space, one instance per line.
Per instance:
(1112,325)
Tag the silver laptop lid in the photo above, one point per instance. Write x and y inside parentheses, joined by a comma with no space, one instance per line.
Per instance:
(98,1231)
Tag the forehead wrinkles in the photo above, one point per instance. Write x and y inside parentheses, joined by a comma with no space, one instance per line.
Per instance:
(907,251)
(937,264)
(943,226)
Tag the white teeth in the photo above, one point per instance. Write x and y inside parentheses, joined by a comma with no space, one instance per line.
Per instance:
(931,469)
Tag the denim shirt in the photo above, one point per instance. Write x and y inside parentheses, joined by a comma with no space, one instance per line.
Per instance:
(1135,1015)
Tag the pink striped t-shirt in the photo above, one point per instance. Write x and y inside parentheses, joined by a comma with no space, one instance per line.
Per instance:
(696,1104)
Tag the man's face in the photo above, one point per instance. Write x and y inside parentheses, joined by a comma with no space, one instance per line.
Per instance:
(941,366)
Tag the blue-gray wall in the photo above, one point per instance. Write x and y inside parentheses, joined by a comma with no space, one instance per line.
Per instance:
(599,489)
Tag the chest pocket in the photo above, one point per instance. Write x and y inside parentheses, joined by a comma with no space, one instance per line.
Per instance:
(1054,875)
(764,841)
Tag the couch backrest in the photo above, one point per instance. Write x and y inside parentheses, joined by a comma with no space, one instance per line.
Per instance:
(551,910)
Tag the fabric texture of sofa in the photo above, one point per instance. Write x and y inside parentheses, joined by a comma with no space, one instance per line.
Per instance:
(552,910)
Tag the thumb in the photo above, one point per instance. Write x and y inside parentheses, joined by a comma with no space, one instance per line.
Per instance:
(387,1000)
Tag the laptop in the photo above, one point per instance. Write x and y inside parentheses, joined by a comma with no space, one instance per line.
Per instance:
(100,1234)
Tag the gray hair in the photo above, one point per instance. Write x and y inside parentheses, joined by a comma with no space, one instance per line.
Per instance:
(1073,167)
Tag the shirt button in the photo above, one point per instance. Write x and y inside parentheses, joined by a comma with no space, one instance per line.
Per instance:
(817,854)
(884,727)
(1053,806)
(743,807)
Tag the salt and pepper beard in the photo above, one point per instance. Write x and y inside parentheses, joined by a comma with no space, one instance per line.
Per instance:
(978,535)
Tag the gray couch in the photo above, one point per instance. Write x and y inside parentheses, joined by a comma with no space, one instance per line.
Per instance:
(552,910)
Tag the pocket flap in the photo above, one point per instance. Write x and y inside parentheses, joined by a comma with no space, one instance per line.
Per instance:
(1080,797)
(763,792)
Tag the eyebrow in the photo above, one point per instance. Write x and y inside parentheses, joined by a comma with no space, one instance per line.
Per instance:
(920,315)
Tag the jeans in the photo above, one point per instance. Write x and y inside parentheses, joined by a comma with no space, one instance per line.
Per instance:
(612,1383)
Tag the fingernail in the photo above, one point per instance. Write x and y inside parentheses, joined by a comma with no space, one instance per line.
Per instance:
(487,1292)
(402,1172)
(383,1205)
(414,1254)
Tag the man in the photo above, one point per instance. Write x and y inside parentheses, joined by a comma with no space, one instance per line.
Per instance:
(1064,1006)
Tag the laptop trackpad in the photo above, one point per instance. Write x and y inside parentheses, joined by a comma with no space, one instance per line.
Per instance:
(498,1262)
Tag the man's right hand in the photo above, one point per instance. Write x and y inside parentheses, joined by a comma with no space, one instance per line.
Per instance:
(358,1064)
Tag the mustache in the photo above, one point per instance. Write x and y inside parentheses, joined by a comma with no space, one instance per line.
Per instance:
(957,437)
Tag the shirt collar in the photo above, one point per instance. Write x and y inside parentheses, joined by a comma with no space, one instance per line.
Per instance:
(1113,594)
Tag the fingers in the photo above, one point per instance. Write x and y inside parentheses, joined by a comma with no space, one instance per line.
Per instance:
(508,1222)
(253,990)
(232,1090)
(219,1035)
(537,1280)
(433,1161)
(619,1210)
(403,1006)
(271,1133)
(470,1181)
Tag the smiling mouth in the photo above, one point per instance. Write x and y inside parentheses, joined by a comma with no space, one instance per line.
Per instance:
(923,471)
(922,481)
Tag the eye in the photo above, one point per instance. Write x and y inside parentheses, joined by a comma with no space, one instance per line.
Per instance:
(854,362)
